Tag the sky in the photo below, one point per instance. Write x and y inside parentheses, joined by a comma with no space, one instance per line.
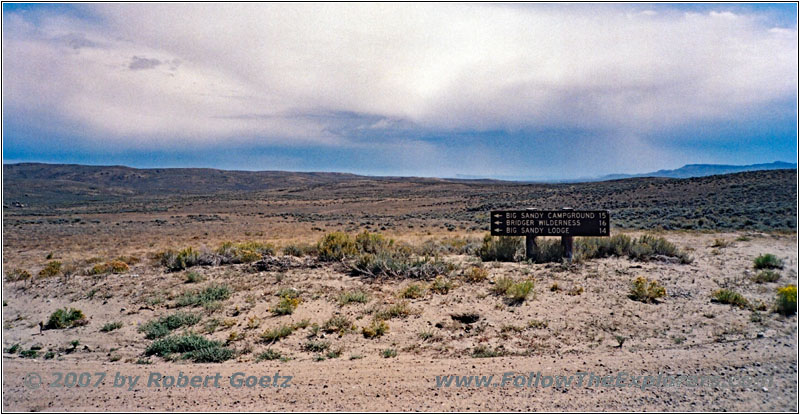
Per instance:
(521,91)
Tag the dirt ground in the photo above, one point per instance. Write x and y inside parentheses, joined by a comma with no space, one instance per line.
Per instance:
(579,319)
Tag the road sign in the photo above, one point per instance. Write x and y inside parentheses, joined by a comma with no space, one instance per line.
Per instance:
(550,222)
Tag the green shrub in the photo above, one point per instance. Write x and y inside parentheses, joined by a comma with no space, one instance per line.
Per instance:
(501,286)
(336,246)
(786,302)
(209,355)
(646,291)
(299,250)
(482,351)
(399,310)
(50,270)
(268,354)
(399,264)
(643,248)
(388,353)
(245,252)
(194,277)
(476,274)
(286,305)
(372,243)
(29,354)
(547,250)
(179,260)
(191,346)
(518,292)
(18,275)
(441,285)
(376,328)
(353,297)
(766,276)
(617,245)
(726,296)
(500,248)
(413,291)
(337,324)
(537,324)
(64,318)
(204,297)
(161,327)
(449,246)
(111,326)
(647,246)
(315,346)
(288,293)
(768,261)
(276,334)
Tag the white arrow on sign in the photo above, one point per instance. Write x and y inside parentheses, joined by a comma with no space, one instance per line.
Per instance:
(498,230)
(498,222)
(498,215)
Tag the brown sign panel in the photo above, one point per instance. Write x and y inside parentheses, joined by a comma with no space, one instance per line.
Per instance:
(550,222)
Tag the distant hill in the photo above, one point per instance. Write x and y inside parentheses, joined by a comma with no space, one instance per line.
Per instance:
(763,199)
(701,170)
(59,183)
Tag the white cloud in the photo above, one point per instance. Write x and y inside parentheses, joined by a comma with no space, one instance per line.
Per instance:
(165,73)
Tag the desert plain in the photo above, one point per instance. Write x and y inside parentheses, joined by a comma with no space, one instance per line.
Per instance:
(260,292)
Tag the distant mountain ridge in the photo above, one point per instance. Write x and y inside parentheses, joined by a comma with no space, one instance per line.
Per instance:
(700,170)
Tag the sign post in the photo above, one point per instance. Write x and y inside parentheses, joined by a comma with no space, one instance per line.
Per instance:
(565,223)
(566,243)
(530,244)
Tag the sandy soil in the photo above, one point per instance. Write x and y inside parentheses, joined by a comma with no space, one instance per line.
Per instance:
(684,334)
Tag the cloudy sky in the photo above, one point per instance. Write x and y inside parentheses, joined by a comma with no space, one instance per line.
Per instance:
(526,91)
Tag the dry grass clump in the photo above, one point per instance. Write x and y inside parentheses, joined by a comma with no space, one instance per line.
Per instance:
(766,276)
(399,310)
(413,291)
(646,291)
(337,324)
(441,285)
(476,274)
(643,248)
(500,248)
(110,267)
(726,296)
(178,260)
(357,296)
(204,297)
(18,274)
(245,252)
(300,250)
(376,328)
(515,292)
(50,270)
(273,335)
